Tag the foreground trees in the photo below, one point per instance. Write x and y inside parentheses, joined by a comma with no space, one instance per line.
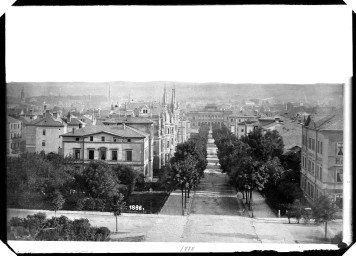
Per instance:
(252,162)
(187,166)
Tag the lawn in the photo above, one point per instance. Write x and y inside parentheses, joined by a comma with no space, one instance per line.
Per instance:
(146,202)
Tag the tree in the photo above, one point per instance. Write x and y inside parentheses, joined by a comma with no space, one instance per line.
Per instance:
(126,175)
(264,145)
(182,175)
(57,201)
(98,181)
(118,206)
(324,210)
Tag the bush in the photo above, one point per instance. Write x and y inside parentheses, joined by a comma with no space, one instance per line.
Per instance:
(34,222)
(16,221)
(102,233)
(81,230)
(89,204)
(337,239)
(49,234)
(21,231)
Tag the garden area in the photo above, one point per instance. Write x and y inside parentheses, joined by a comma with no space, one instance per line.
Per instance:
(50,182)
(38,227)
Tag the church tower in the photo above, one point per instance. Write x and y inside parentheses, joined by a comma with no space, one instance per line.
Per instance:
(22,97)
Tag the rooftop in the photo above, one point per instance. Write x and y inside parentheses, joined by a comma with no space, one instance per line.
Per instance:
(119,130)
(330,122)
(12,120)
(48,121)
(128,120)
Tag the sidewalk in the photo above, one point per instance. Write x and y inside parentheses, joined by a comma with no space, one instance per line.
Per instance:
(173,205)
(260,207)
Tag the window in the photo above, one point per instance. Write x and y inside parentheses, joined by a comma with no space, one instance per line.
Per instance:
(167,144)
(339,160)
(309,165)
(320,173)
(232,119)
(128,155)
(43,143)
(91,138)
(114,155)
(102,138)
(312,168)
(339,175)
(44,132)
(312,191)
(77,139)
(77,153)
(309,146)
(103,154)
(91,154)
(242,130)
(128,140)
(339,150)
(313,144)
(321,147)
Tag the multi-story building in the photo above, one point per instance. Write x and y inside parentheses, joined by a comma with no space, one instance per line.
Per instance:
(43,134)
(141,124)
(13,136)
(210,115)
(322,157)
(115,144)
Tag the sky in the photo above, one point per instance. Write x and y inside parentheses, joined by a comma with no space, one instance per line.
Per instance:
(231,44)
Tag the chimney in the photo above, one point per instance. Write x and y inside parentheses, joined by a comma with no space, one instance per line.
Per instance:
(69,117)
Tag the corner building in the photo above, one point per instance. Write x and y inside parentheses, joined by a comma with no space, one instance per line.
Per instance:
(322,157)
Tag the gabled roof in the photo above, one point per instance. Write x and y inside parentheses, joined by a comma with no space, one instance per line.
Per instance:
(118,130)
(48,121)
(74,121)
(10,119)
(330,122)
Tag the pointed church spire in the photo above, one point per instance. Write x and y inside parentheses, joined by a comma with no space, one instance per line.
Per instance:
(164,103)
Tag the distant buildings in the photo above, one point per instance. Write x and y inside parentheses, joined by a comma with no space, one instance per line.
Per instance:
(156,127)
(322,157)
(209,115)
(13,136)
(43,134)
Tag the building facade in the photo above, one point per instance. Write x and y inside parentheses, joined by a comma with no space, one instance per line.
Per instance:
(43,134)
(211,115)
(14,140)
(322,157)
(115,144)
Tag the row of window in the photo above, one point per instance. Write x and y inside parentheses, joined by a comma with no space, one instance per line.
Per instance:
(208,117)
(310,167)
(15,126)
(15,135)
(103,154)
(309,190)
(15,145)
(103,139)
(310,143)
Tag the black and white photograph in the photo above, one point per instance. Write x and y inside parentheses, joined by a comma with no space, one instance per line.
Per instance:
(202,128)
